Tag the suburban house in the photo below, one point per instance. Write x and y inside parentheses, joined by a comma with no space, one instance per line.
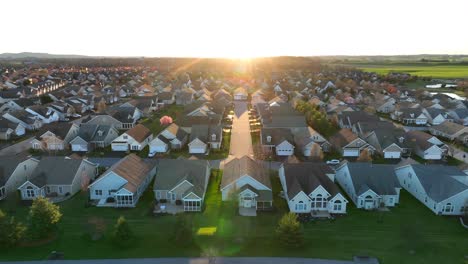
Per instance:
(383,136)
(240,94)
(442,189)
(184,97)
(55,136)
(43,113)
(204,137)
(173,137)
(122,118)
(309,187)
(248,183)
(25,119)
(349,119)
(91,136)
(9,129)
(182,182)
(279,139)
(14,171)
(123,183)
(136,139)
(369,186)
(410,116)
(280,115)
(305,139)
(450,130)
(349,144)
(424,145)
(437,116)
(57,177)
(460,115)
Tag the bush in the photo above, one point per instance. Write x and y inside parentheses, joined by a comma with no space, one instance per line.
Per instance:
(43,217)
(11,232)
(122,233)
(289,231)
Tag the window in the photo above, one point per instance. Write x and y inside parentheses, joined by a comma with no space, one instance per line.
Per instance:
(125,137)
(60,189)
(158,195)
(301,206)
(390,200)
(448,208)
(168,196)
(30,192)
(173,196)
(25,167)
(98,192)
(425,199)
(48,189)
(337,206)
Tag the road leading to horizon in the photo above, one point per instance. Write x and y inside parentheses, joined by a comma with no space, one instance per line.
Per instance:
(241,140)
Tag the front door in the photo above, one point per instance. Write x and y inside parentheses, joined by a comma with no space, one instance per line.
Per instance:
(247,202)
(369,205)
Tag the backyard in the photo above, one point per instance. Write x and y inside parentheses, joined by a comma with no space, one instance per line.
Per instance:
(409,233)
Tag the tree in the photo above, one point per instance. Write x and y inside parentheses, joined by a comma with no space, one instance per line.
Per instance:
(43,217)
(289,231)
(165,120)
(11,232)
(122,232)
(316,152)
(365,156)
(101,107)
(45,99)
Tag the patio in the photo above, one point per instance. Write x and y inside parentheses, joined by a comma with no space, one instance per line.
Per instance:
(244,211)
(167,208)
(321,214)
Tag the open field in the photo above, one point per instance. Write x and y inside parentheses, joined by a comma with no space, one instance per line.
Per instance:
(434,70)
(409,233)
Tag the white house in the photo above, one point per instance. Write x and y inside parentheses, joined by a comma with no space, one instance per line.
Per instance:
(349,144)
(123,184)
(57,177)
(442,189)
(309,187)
(15,170)
(279,139)
(247,182)
(46,115)
(424,145)
(136,139)
(240,94)
(92,136)
(369,186)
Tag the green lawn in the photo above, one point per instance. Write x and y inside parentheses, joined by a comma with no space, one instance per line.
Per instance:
(410,233)
(152,122)
(434,70)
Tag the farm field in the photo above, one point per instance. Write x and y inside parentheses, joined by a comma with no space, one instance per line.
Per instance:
(409,233)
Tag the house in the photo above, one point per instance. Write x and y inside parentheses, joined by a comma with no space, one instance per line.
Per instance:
(57,177)
(184,97)
(14,171)
(248,183)
(349,144)
(173,137)
(182,181)
(410,116)
(369,186)
(25,119)
(9,129)
(93,136)
(442,189)
(349,119)
(55,136)
(204,137)
(43,113)
(145,105)
(240,94)
(127,116)
(279,139)
(166,98)
(383,136)
(136,139)
(424,145)
(310,187)
(448,130)
(280,115)
(437,116)
(460,115)
(15,105)
(123,183)
(305,139)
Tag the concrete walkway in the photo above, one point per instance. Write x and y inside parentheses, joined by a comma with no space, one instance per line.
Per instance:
(191,261)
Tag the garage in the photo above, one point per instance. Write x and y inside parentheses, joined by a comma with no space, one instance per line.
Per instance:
(119,146)
(197,150)
(392,155)
(78,147)
(351,153)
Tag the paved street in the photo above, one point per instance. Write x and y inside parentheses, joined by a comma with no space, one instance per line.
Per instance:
(17,148)
(241,141)
(191,261)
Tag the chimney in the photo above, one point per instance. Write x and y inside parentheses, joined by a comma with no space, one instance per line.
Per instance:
(269,139)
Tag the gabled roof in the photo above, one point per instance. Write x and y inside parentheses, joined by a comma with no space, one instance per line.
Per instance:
(306,177)
(278,135)
(380,178)
(139,133)
(133,169)
(173,172)
(343,138)
(239,167)
(449,128)
(441,182)
(60,129)
(55,170)
(175,130)
(8,165)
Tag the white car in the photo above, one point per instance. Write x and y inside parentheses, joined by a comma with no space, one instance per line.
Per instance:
(151,154)
(333,162)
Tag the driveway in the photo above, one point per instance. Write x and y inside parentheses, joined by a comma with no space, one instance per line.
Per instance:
(17,148)
(241,141)
(192,261)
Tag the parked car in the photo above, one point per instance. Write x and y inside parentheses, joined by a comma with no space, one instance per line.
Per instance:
(333,162)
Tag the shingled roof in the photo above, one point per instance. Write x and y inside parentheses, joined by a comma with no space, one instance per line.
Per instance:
(133,169)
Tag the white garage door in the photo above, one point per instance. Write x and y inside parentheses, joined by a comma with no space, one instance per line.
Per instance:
(392,155)
(432,156)
(351,153)
(79,148)
(119,147)
(197,150)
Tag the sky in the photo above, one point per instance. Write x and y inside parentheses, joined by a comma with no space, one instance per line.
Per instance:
(237,29)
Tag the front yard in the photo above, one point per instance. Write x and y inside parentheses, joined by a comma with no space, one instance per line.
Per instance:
(409,233)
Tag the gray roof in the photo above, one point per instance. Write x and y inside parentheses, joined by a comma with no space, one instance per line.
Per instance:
(239,167)
(307,176)
(90,132)
(55,171)
(379,178)
(8,165)
(178,132)
(172,172)
(448,127)
(441,182)
(204,132)
(278,135)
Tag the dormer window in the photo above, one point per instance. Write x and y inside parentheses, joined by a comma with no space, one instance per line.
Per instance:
(100,132)
(213,137)
(269,139)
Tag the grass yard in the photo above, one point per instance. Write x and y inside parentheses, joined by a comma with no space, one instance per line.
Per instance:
(152,122)
(410,233)
(434,70)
